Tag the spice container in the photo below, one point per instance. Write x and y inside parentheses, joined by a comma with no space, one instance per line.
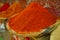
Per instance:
(43,35)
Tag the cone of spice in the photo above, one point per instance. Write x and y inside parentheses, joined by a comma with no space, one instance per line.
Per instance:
(12,10)
(31,20)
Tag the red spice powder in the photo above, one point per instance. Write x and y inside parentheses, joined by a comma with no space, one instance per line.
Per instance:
(4,7)
(32,19)
(12,10)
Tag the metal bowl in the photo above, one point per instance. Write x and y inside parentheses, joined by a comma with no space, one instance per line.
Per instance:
(44,33)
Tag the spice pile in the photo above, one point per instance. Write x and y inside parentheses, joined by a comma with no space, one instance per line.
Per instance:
(12,10)
(32,19)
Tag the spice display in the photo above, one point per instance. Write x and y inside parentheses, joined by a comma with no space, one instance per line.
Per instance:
(4,7)
(12,10)
(32,19)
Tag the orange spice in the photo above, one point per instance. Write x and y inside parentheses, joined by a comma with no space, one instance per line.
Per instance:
(12,10)
(32,19)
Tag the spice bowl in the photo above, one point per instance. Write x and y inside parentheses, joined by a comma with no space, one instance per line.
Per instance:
(42,35)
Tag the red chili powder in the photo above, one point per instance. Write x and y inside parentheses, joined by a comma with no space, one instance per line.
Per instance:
(4,7)
(32,19)
(12,10)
